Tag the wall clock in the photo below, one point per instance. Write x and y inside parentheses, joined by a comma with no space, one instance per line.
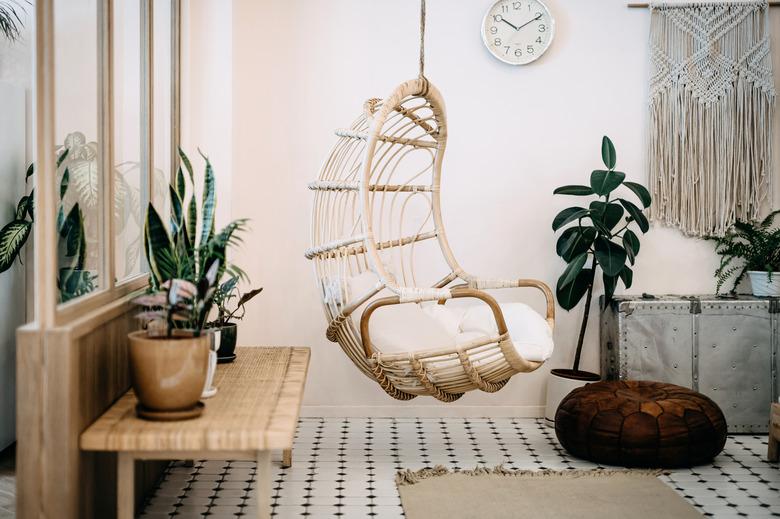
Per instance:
(518,31)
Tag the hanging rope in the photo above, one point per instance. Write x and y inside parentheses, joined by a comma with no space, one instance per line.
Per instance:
(422,38)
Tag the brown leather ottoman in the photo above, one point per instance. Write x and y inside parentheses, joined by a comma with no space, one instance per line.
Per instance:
(640,424)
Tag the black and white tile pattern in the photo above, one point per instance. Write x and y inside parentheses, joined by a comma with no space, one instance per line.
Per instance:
(345,467)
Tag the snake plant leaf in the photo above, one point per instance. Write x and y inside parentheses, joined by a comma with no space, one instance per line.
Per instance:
(575,241)
(570,294)
(209,204)
(610,255)
(631,244)
(573,190)
(567,216)
(608,154)
(610,283)
(181,185)
(627,275)
(608,214)
(160,252)
(30,172)
(192,222)
(187,164)
(636,215)
(604,182)
(12,238)
(573,269)
(641,192)
(64,183)
(176,211)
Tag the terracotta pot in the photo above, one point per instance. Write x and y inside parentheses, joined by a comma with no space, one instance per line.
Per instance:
(560,384)
(168,373)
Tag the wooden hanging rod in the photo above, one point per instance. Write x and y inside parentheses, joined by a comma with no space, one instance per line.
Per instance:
(646,5)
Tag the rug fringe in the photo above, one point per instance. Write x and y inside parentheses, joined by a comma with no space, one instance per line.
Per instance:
(410,477)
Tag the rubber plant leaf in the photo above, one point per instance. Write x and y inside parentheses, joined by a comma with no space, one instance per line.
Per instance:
(573,269)
(574,241)
(641,192)
(571,294)
(636,215)
(609,214)
(631,244)
(610,282)
(567,216)
(574,190)
(604,182)
(12,238)
(611,256)
(627,275)
(608,154)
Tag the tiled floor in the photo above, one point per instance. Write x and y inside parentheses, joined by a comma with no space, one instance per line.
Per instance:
(7,483)
(345,468)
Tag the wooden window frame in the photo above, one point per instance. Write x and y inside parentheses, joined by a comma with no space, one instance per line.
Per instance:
(48,311)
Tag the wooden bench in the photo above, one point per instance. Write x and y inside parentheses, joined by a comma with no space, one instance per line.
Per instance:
(773,452)
(254,412)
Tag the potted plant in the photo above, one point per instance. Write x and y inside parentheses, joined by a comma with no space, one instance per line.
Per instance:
(169,360)
(224,326)
(598,237)
(757,244)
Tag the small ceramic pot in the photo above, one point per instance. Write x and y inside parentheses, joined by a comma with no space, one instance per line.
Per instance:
(228,335)
(561,383)
(168,373)
(762,286)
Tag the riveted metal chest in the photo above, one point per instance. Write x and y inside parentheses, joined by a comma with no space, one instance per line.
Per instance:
(726,349)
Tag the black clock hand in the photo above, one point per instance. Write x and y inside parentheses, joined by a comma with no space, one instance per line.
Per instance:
(510,23)
(529,21)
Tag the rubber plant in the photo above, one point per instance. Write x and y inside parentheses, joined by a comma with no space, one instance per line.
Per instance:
(598,237)
(180,250)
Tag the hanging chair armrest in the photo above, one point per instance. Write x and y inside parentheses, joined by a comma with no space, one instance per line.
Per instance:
(455,293)
(487,284)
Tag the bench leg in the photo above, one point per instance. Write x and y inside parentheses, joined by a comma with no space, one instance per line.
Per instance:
(773,454)
(125,481)
(287,458)
(263,482)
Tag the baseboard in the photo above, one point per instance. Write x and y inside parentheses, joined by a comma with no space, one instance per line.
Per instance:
(422,411)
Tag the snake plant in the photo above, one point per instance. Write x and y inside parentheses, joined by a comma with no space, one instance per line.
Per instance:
(597,240)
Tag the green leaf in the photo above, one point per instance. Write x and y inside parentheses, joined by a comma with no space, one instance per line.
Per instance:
(604,182)
(71,231)
(573,190)
(64,183)
(176,210)
(573,270)
(574,241)
(60,218)
(192,223)
(608,154)
(610,282)
(571,294)
(611,256)
(627,275)
(568,215)
(30,171)
(608,214)
(636,214)
(187,164)
(631,244)
(209,204)
(12,238)
(160,252)
(62,156)
(181,186)
(641,192)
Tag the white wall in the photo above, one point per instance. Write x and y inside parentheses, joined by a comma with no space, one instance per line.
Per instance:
(301,68)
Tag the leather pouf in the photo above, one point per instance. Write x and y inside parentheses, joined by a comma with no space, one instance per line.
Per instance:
(640,424)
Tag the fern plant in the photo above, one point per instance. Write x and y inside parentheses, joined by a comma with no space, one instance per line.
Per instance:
(11,24)
(747,246)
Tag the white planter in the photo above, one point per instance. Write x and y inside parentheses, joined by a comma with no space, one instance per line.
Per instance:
(762,287)
(559,385)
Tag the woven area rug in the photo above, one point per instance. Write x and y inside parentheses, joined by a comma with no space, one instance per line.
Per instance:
(502,494)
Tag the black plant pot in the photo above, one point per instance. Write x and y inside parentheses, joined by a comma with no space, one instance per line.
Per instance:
(228,335)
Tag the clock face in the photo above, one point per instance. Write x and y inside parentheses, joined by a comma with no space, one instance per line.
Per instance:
(518,31)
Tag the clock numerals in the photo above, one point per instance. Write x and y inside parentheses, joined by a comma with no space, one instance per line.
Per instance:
(518,31)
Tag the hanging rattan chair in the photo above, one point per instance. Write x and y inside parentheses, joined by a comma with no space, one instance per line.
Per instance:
(377,199)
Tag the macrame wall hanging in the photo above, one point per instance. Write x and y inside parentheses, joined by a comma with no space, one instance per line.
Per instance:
(711,104)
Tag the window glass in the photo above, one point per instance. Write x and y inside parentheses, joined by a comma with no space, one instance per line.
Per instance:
(162,145)
(79,151)
(130,170)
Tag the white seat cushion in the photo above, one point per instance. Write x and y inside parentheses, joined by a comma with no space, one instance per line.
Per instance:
(415,327)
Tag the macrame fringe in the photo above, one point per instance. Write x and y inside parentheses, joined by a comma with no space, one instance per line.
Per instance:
(410,477)
(711,107)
